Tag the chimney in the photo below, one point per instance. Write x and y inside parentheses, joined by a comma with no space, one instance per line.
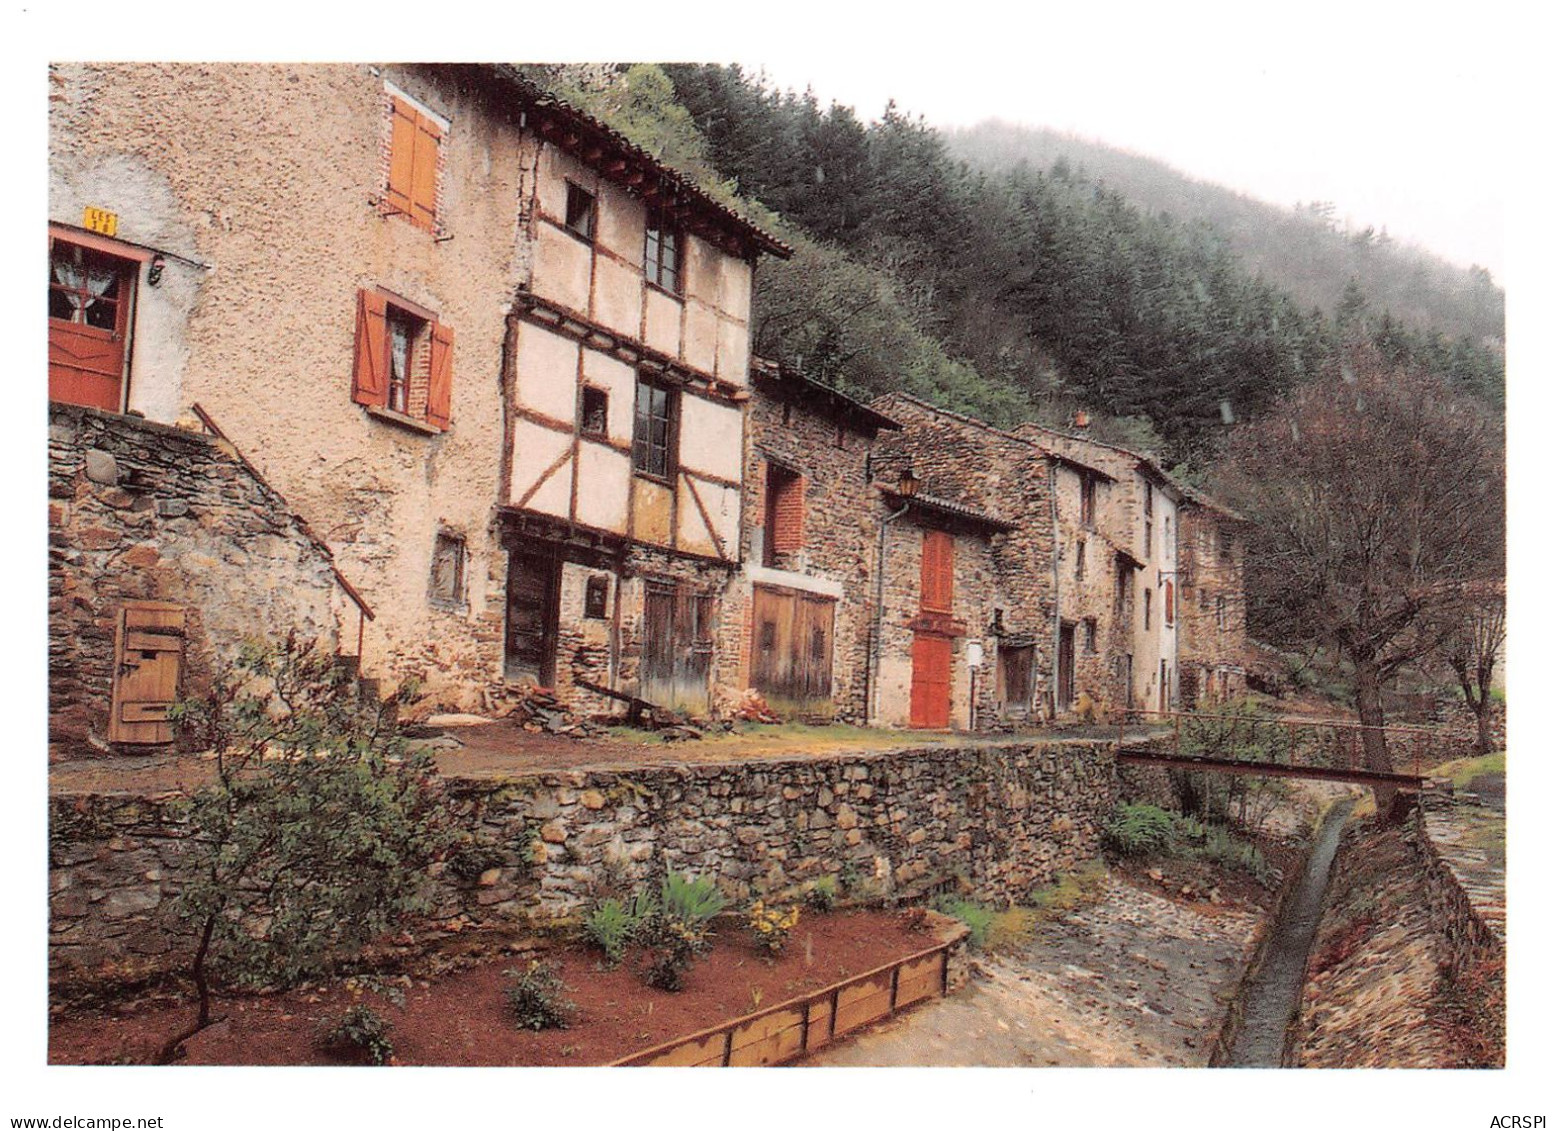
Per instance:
(1082,419)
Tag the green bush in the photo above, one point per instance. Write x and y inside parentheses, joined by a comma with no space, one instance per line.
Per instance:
(611,926)
(693,903)
(1138,830)
(359,1035)
(674,927)
(975,915)
(535,998)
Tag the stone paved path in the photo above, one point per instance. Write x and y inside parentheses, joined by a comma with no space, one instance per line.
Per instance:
(1134,979)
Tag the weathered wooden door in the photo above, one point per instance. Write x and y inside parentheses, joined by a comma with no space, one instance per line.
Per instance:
(90,296)
(678,647)
(792,647)
(1016,677)
(530,633)
(1067,664)
(148,654)
(929,693)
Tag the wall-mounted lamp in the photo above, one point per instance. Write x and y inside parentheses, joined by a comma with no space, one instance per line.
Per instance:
(154,271)
(907,482)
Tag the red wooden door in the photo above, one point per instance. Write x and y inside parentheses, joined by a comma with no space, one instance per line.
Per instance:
(90,295)
(929,697)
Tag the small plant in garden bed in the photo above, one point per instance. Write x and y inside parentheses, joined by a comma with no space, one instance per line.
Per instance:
(975,915)
(611,926)
(535,998)
(822,894)
(770,926)
(675,928)
(359,1035)
(1138,830)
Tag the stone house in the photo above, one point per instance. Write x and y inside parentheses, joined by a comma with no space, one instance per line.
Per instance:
(1214,654)
(465,355)
(809,545)
(992,495)
(1134,508)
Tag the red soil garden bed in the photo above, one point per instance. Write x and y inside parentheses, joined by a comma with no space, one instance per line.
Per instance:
(461,1018)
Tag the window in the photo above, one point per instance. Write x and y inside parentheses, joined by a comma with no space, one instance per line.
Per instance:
(1089,636)
(596,590)
(662,253)
(1167,603)
(1205,599)
(1221,614)
(1088,501)
(415,139)
(1224,546)
(448,570)
(404,365)
(1167,537)
(1148,505)
(784,521)
(593,406)
(935,572)
(1146,604)
(654,430)
(1121,587)
(91,297)
(1081,558)
(581,213)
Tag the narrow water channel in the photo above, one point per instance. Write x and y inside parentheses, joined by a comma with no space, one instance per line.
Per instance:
(1271,995)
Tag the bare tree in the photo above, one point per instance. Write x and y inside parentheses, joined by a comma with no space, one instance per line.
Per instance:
(1372,491)
(1476,627)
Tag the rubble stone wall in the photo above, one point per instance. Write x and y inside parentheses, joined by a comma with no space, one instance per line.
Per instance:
(992,821)
(143,511)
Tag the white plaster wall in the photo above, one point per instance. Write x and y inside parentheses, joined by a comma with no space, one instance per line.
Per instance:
(603,477)
(620,231)
(734,351)
(618,299)
(537,449)
(546,365)
(700,340)
(711,437)
(661,322)
(562,268)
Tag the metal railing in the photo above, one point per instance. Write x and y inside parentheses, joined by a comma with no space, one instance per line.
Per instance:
(1296,742)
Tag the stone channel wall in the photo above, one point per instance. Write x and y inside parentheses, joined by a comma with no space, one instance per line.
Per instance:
(991,821)
(1467,902)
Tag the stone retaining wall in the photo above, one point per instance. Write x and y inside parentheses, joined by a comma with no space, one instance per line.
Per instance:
(991,821)
(1467,904)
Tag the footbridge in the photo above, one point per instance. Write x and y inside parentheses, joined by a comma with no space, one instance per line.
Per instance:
(1291,747)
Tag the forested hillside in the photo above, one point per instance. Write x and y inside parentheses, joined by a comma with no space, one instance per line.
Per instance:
(1013,293)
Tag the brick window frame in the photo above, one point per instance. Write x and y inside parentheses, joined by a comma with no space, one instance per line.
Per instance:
(403,369)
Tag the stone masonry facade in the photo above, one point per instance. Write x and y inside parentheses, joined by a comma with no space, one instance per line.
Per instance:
(992,822)
(142,511)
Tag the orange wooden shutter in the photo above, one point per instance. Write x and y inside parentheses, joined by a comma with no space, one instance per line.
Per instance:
(935,572)
(424,172)
(440,378)
(370,384)
(402,155)
(1167,603)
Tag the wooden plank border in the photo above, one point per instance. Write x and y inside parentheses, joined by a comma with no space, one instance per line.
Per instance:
(810,1009)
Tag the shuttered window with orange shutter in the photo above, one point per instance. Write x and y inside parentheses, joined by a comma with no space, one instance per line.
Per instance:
(404,361)
(935,572)
(415,139)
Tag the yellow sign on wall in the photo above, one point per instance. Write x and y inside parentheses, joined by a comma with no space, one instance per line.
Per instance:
(101,221)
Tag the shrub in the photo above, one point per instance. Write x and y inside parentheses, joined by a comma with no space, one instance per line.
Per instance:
(691,903)
(822,895)
(535,998)
(770,926)
(674,928)
(611,926)
(1138,830)
(975,915)
(359,1035)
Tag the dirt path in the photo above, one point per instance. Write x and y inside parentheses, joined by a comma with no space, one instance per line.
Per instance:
(1134,979)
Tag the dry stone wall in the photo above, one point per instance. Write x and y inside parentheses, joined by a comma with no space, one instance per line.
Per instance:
(991,821)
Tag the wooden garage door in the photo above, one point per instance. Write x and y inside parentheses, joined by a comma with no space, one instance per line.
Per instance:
(792,646)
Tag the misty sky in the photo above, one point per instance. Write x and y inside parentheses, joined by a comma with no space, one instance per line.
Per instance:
(1393,120)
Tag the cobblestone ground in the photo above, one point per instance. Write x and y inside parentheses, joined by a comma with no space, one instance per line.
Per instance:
(1134,979)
